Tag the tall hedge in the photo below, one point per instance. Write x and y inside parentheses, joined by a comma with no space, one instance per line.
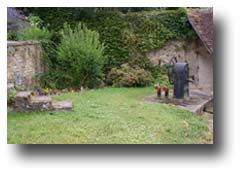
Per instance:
(126,35)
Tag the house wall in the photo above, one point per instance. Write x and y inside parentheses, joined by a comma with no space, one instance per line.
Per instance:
(23,64)
(205,70)
(199,60)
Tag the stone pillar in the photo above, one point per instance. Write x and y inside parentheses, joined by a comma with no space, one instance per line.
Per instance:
(24,64)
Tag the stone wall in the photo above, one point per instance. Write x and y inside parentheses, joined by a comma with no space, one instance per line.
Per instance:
(24,64)
(199,60)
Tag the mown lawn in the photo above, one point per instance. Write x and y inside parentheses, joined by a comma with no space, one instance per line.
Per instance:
(112,116)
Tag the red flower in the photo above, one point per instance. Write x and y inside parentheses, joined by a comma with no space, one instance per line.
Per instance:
(165,89)
(157,87)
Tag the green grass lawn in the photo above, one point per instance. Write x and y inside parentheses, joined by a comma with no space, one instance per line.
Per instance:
(109,115)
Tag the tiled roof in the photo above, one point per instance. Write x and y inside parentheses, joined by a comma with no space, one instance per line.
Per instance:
(202,22)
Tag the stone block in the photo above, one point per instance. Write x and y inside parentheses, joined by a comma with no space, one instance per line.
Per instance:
(22,101)
(10,86)
(22,97)
(40,99)
(25,101)
(62,105)
(41,103)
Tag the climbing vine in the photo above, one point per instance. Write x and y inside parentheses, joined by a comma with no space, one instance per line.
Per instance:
(126,35)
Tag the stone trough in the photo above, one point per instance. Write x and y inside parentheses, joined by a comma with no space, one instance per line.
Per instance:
(195,103)
(26,101)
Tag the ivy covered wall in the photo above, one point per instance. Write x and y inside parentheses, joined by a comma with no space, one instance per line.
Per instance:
(127,35)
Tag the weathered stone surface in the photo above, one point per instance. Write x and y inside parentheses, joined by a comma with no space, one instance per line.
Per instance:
(25,101)
(22,101)
(24,94)
(10,86)
(209,107)
(22,97)
(24,63)
(62,105)
(41,103)
(195,103)
(40,99)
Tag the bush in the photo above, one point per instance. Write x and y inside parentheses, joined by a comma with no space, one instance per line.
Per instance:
(128,76)
(34,31)
(12,35)
(80,55)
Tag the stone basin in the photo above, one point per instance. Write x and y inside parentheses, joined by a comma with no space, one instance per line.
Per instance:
(196,102)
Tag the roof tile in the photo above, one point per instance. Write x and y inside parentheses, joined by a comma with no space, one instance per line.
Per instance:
(202,22)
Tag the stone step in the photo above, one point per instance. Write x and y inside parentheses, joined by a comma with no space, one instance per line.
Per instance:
(22,101)
(23,95)
(25,101)
(40,99)
(198,108)
(62,105)
(41,103)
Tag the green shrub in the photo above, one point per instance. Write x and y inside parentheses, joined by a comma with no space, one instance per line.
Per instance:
(80,55)
(128,76)
(34,31)
(11,35)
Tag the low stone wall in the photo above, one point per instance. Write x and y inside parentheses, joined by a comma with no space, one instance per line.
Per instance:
(199,60)
(23,64)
